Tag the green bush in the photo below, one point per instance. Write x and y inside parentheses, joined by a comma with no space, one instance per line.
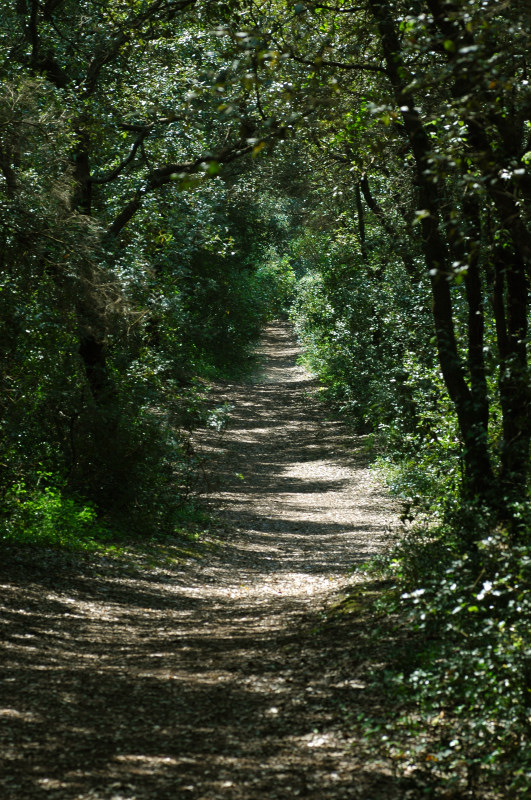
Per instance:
(468,693)
(462,579)
(352,329)
(274,283)
(47,516)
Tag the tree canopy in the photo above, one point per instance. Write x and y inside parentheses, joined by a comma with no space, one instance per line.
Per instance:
(173,173)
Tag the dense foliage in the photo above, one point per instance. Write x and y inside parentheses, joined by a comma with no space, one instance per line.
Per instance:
(173,173)
(106,328)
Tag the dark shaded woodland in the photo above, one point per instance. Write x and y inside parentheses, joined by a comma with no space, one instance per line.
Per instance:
(175,174)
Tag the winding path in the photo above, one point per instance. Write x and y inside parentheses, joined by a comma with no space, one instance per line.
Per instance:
(211,679)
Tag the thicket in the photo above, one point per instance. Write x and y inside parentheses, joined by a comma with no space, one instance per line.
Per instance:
(108,352)
(173,173)
(131,272)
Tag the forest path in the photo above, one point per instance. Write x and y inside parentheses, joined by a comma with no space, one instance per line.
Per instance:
(213,679)
(295,490)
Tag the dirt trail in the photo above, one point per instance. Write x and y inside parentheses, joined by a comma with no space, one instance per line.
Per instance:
(213,679)
(295,490)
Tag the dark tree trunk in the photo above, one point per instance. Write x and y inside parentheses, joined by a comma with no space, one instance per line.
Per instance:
(512,264)
(479,475)
(361,223)
(83,185)
(379,213)
(510,308)
(93,354)
(476,319)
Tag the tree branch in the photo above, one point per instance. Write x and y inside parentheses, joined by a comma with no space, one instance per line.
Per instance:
(117,170)
(167,174)
(169,8)
(338,64)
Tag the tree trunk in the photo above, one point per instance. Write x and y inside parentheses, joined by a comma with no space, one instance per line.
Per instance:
(479,475)
(511,326)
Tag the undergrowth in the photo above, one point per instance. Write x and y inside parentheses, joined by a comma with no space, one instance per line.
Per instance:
(47,516)
(462,696)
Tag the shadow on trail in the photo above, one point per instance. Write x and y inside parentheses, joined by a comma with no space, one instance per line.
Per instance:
(117,701)
(217,681)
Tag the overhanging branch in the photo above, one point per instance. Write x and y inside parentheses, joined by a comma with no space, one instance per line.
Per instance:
(170,172)
(361,66)
(110,176)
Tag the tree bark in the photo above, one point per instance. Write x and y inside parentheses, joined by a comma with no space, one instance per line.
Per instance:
(514,376)
(479,475)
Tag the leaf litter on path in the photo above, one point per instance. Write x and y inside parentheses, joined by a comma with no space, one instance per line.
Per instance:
(212,679)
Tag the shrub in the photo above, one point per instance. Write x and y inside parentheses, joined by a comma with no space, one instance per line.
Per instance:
(47,516)
(468,694)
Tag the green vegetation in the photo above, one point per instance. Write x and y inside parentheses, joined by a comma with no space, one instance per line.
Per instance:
(173,174)
(118,298)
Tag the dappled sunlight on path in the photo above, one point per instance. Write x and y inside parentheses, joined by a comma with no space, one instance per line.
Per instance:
(207,680)
(295,486)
